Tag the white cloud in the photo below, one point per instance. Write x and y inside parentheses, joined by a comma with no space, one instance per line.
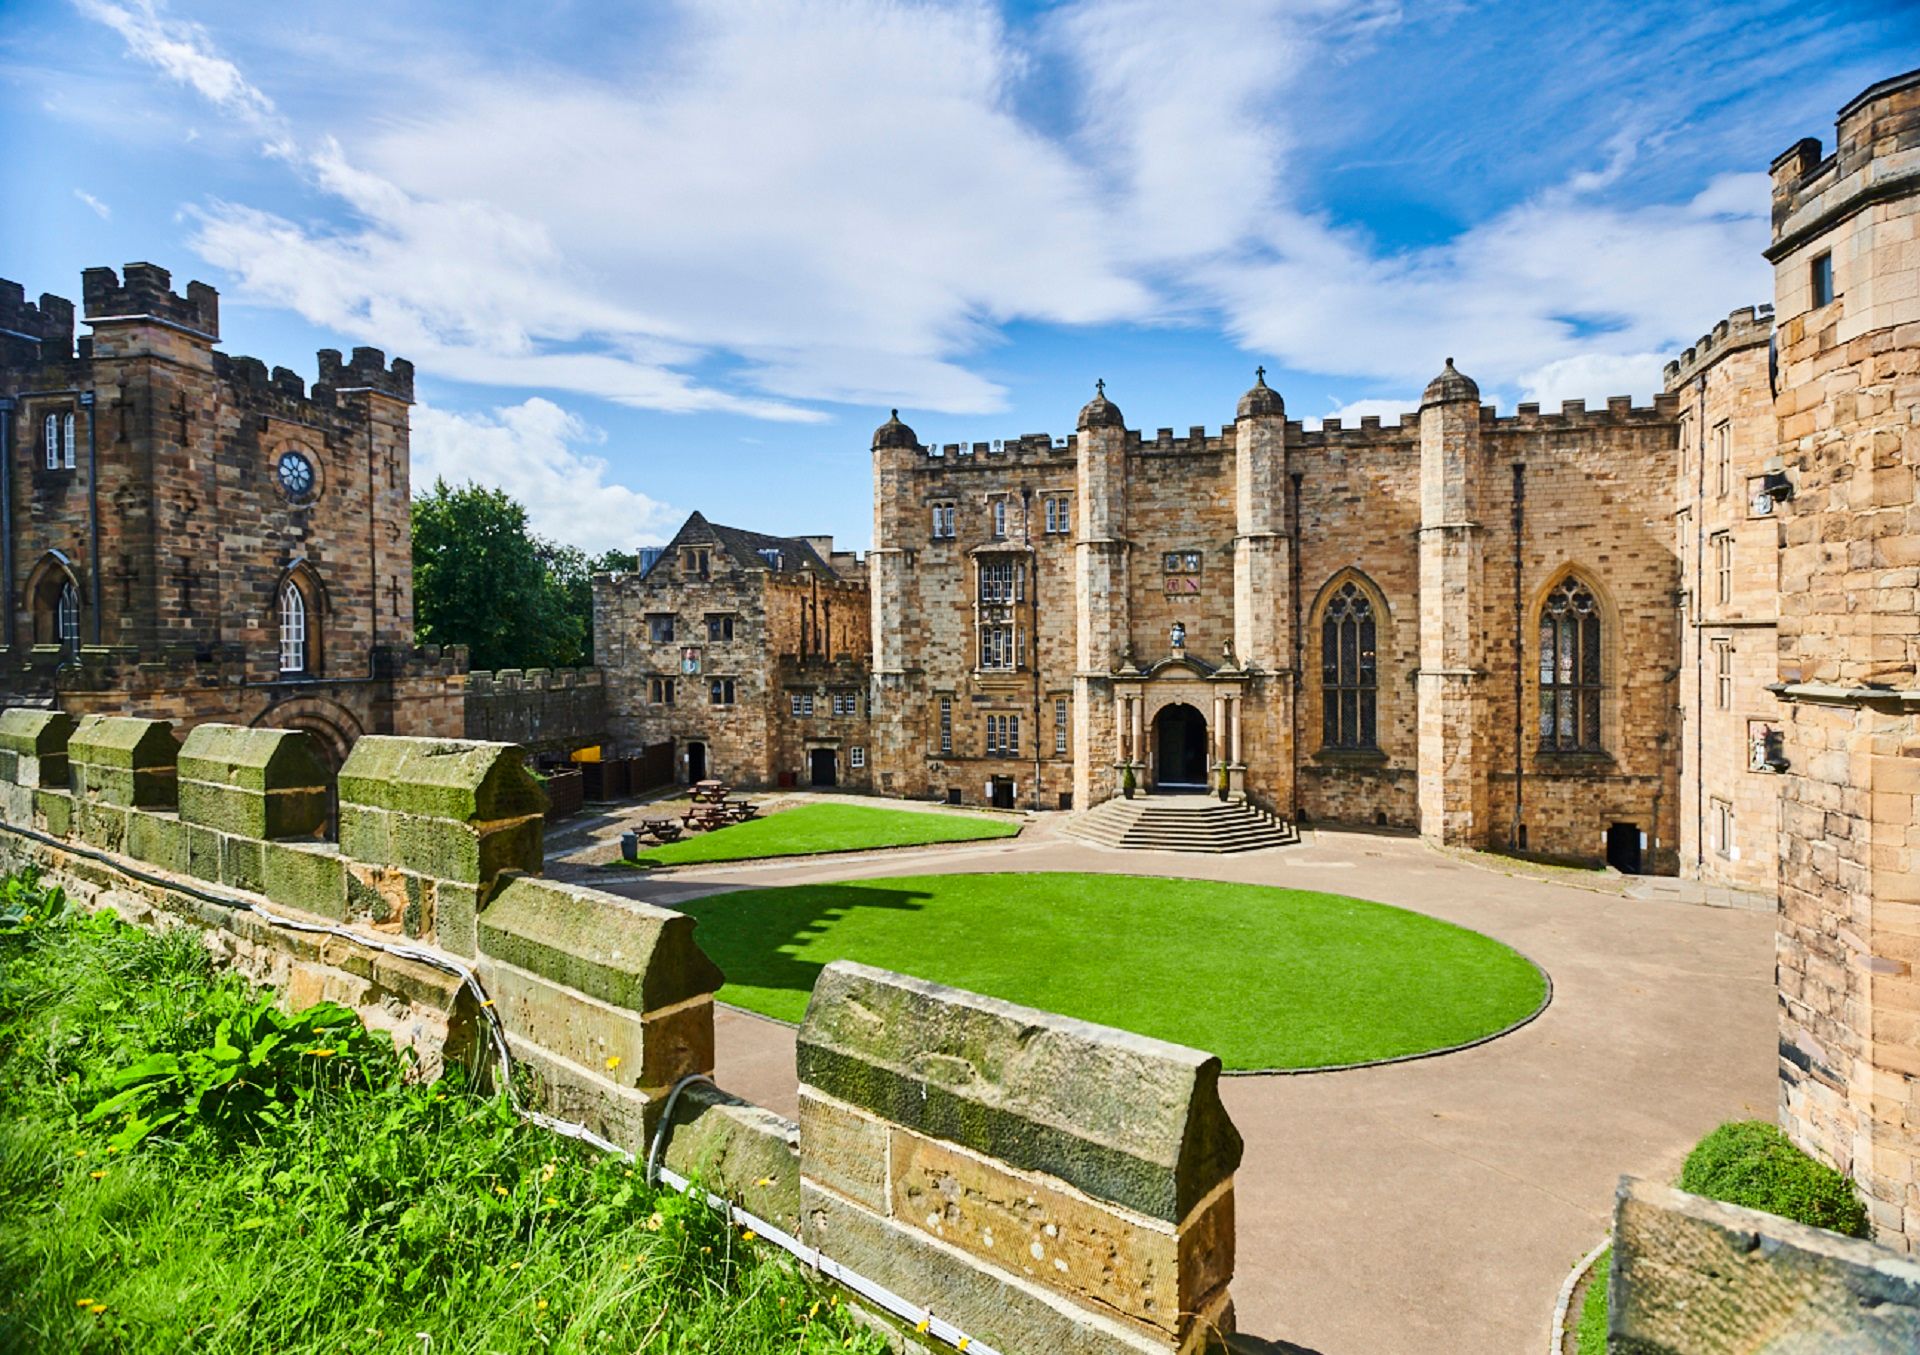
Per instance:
(185,54)
(1593,377)
(94,205)
(804,200)
(1350,414)
(534,451)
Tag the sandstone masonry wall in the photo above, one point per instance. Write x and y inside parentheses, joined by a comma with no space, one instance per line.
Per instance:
(1044,1183)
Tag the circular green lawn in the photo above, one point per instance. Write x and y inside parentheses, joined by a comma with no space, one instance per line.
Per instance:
(1263,977)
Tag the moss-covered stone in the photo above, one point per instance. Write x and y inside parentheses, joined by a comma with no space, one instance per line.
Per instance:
(456,917)
(158,838)
(33,746)
(307,876)
(53,812)
(441,778)
(447,850)
(243,863)
(203,853)
(103,825)
(629,954)
(263,783)
(739,1151)
(121,760)
(366,834)
(1134,1121)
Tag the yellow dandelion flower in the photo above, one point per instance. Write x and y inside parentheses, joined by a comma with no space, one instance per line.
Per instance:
(487,1003)
(98,1309)
(613,1061)
(515,1265)
(814,1311)
(747,1234)
(764,1181)
(547,1171)
(321,1053)
(552,1201)
(97,1175)
(79,1152)
(925,1322)
(654,1221)
(83,1303)
(541,1305)
(113,1147)
(499,1190)
(965,1341)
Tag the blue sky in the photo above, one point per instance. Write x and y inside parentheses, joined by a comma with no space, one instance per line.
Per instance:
(686,255)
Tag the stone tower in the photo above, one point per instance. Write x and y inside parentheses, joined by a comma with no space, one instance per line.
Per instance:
(896,451)
(1452,715)
(1263,585)
(1103,621)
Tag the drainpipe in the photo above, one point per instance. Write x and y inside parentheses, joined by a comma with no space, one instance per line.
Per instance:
(1293,590)
(1698,603)
(93,511)
(1519,652)
(6,519)
(1033,625)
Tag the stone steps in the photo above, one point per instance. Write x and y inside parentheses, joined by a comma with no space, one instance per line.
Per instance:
(1181,823)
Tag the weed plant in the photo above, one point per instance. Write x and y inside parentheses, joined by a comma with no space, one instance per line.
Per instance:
(278,1198)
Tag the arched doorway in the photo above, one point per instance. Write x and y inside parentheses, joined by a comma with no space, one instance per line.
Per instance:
(696,762)
(1180,748)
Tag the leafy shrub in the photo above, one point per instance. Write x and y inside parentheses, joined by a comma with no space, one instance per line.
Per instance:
(1751,1163)
(25,902)
(258,1065)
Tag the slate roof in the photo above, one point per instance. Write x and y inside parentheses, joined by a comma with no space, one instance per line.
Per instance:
(744,547)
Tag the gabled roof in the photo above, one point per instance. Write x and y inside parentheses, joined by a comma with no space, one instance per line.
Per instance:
(788,554)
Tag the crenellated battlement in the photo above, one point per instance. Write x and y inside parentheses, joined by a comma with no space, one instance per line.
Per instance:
(1743,328)
(144,291)
(1876,155)
(1195,443)
(45,329)
(368,371)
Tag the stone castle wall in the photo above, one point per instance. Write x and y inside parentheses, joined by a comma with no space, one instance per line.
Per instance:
(1039,1183)
(545,711)
(1729,808)
(1848,411)
(177,534)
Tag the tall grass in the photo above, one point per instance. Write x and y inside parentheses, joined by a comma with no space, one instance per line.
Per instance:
(369,1214)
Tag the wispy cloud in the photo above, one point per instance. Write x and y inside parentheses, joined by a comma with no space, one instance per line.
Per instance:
(93,204)
(537,452)
(845,200)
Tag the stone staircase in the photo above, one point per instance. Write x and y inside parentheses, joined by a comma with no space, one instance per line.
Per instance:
(1181,823)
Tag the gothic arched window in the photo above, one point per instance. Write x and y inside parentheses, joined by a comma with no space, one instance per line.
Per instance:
(1570,683)
(1349,670)
(293,628)
(66,615)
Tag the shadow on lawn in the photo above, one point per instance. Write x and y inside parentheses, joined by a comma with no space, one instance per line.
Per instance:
(750,949)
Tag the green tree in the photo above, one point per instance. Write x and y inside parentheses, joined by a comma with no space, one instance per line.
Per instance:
(482,580)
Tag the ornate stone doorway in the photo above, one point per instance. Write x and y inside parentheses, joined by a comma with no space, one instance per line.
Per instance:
(1180,748)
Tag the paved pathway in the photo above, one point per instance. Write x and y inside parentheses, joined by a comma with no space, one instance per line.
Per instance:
(1432,1206)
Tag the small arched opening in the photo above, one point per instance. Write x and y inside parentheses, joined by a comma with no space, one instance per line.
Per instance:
(1180,748)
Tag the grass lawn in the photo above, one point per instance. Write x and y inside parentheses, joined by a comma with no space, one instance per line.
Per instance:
(317,1202)
(826,828)
(1590,1336)
(1263,977)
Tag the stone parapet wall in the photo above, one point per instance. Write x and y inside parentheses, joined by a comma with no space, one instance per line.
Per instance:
(1043,1183)
(543,710)
(1692,1276)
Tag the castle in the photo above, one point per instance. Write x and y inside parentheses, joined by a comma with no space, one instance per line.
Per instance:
(188,535)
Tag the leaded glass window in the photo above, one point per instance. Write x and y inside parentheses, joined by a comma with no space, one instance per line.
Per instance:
(1570,670)
(293,629)
(1349,668)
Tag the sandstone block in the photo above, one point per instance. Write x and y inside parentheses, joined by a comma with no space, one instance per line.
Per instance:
(33,746)
(158,838)
(737,1150)
(648,1053)
(308,876)
(261,783)
(631,955)
(1693,1276)
(993,1305)
(843,1149)
(120,760)
(1129,1120)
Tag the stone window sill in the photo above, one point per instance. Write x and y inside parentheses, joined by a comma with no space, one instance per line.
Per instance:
(1351,757)
(1559,762)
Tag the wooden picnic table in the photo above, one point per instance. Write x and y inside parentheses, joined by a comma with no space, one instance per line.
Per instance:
(741,810)
(709,792)
(666,830)
(701,817)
